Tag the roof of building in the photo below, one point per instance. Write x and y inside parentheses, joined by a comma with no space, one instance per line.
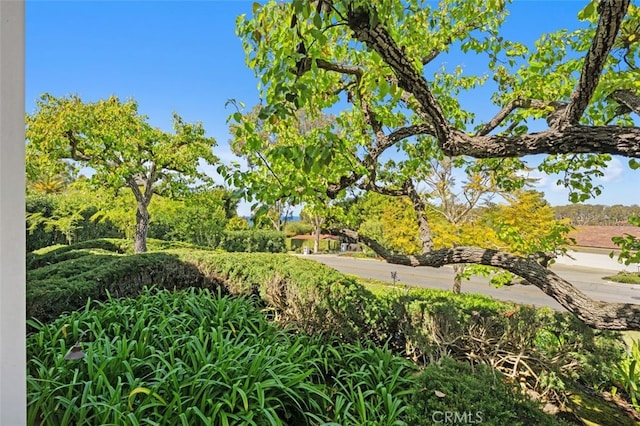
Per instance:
(600,236)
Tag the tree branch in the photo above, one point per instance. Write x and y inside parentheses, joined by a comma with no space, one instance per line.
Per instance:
(562,139)
(341,68)
(611,13)
(406,132)
(602,315)
(615,140)
(509,108)
(409,79)
(627,99)
(76,153)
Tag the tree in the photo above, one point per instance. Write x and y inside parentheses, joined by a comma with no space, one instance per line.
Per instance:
(277,185)
(110,137)
(378,59)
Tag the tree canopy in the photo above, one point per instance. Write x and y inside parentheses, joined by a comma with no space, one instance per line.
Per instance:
(378,63)
(123,149)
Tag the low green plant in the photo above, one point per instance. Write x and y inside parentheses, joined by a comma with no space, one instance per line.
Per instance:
(468,394)
(197,358)
(626,375)
(624,277)
(550,352)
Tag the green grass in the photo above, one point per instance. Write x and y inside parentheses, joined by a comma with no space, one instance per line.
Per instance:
(625,277)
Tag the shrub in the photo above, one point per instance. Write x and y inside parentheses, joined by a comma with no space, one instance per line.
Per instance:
(253,241)
(470,394)
(625,277)
(626,375)
(297,228)
(45,207)
(548,351)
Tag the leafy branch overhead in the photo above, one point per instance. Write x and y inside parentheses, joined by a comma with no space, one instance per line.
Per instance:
(385,66)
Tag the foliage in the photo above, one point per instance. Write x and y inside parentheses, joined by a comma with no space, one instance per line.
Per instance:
(237,223)
(629,245)
(597,214)
(378,66)
(525,224)
(546,351)
(326,245)
(481,395)
(253,241)
(625,277)
(549,352)
(390,221)
(626,375)
(110,137)
(64,217)
(297,228)
(199,217)
(196,358)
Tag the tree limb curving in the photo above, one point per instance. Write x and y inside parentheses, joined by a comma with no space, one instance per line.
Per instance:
(601,315)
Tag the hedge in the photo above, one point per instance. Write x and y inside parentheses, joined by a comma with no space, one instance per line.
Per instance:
(253,241)
(545,350)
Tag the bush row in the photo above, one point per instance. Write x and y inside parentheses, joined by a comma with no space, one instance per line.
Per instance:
(544,350)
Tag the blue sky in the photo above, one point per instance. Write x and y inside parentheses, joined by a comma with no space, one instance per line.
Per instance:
(184,57)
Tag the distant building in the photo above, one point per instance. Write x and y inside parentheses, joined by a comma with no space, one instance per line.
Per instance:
(600,236)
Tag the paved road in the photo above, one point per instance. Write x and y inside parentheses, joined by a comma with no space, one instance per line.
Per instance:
(589,280)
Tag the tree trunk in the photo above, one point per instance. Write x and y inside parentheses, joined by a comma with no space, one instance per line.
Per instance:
(457,278)
(142,226)
(316,240)
(426,238)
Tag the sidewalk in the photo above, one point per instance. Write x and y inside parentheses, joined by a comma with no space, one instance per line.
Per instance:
(595,261)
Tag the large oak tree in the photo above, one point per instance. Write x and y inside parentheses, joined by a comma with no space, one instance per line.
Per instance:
(378,62)
(123,149)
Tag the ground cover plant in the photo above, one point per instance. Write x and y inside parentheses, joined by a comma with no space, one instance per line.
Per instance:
(552,355)
(625,277)
(198,358)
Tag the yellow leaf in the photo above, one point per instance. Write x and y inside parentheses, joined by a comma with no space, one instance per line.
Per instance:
(146,391)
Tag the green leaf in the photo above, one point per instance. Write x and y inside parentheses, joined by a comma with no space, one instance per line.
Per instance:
(588,11)
(317,21)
